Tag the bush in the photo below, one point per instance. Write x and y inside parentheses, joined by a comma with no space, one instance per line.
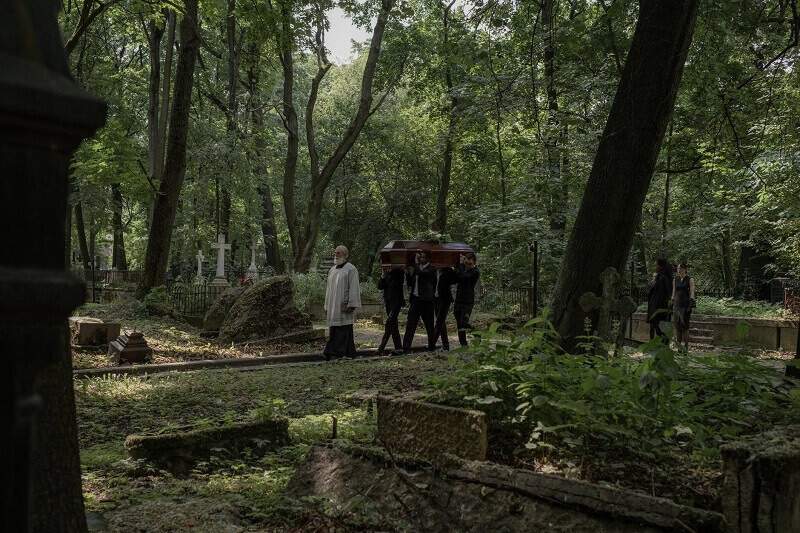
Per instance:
(647,407)
(157,302)
(310,288)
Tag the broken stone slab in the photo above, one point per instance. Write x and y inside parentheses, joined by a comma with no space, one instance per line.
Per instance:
(130,348)
(761,487)
(87,331)
(178,452)
(479,496)
(431,431)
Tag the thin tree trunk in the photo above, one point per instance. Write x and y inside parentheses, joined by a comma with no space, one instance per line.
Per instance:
(725,255)
(166,204)
(440,222)
(166,79)
(665,214)
(118,258)
(557,201)
(80,230)
(231,119)
(154,35)
(319,182)
(626,157)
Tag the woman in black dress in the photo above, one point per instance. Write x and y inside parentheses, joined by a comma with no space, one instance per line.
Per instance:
(658,295)
(682,304)
(391,283)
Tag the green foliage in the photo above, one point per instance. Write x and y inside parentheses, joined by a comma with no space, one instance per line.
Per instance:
(650,406)
(743,308)
(157,302)
(308,289)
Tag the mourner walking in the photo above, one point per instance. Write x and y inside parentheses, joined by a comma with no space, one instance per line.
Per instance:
(466,278)
(421,280)
(342,298)
(445,278)
(658,296)
(682,304)
(391,283)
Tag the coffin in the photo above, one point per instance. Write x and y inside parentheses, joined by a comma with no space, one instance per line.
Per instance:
(400,254)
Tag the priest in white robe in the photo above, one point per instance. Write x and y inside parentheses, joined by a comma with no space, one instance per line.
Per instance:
(342,298)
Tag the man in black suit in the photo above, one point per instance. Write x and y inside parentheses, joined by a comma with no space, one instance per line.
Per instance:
(467,276)
(444,298)
(421,280)
(391,283)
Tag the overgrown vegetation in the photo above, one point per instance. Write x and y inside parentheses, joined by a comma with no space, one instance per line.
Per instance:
(657,417)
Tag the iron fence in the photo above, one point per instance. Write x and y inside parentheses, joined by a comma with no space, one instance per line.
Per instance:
(193,299)
(510,300)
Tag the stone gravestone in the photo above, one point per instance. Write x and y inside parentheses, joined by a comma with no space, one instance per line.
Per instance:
(430,430)
(130,348)
(761,487)
(252,270)
(220,280)
(88,331)
(607,305)
(199,277)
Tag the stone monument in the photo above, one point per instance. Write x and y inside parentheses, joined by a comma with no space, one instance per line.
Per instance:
(220,280)
(607,305)
(130,348)
(199,277)
(44,115)
(252,270)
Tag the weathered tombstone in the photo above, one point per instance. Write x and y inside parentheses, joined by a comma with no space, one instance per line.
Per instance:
(44,115)
(607,305)
(220,280)
(130,348)
(431,431)
(252,270)
(761,487)
(199,277)
(179,451)
(88,331)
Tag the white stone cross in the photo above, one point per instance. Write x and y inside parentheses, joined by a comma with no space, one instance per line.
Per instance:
(200,258)
(221,247)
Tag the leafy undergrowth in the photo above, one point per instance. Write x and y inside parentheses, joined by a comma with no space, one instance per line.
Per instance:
(652,422)
(173,341)
(242,493)
(730,307)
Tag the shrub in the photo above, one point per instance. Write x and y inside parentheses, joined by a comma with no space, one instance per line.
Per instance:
(157,302)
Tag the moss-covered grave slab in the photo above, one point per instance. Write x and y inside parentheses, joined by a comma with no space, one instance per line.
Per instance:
(479,496)
(179,451)
(431,431)
(761,487)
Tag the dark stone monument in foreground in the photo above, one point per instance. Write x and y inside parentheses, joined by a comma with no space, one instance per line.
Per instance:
(44,115)
(130,348)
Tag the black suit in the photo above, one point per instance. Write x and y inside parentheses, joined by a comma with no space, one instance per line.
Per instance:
(443,300)
(422,286)
(466,279)
(391,283)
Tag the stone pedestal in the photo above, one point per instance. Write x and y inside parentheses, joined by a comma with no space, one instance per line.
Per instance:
(130,348)
(220,283)
(761,489)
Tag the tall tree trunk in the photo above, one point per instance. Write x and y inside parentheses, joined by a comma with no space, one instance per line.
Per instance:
(166,204)
(231,119)
(626,157)
(80,231)
(118,258)
(154,35)
(320,181)
(285,42)
(440,222)
(166,79)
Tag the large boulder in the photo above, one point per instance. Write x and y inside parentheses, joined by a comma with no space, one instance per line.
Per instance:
(264,310)
(216,314)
